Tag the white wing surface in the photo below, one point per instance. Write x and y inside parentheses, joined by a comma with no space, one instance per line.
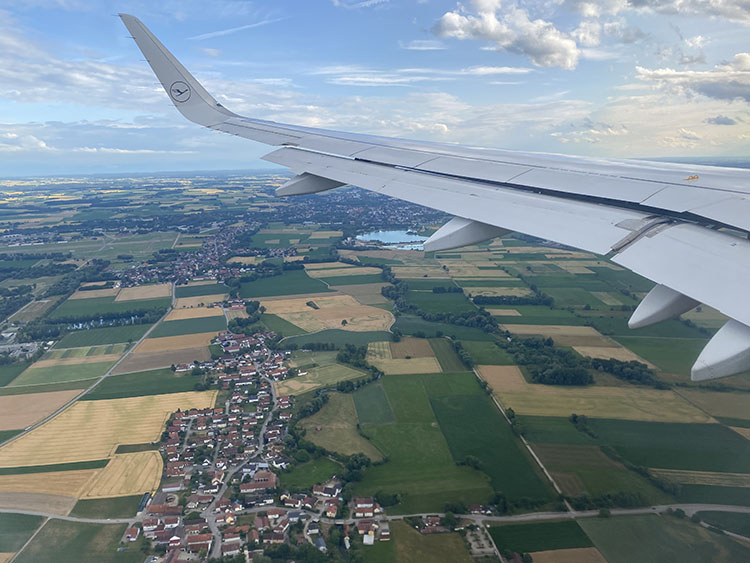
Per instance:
(683,226)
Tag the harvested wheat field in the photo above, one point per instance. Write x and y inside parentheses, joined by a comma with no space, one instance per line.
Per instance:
(20,411)
(573,555)
(92,430)
(190,302)
(145,292)
(326,234)
(155,360)
(328,266)
(93,293)
(74,361)
(125,475)
(194,313)
(563,335)
(66,483)
(52,504)
(365,293)
(504,312)
(6,557)
(331,313)
(688,477)
(435,272)
(169,343)
(248,260)
(606,352)
(628,403)
(403,367)
(379,351)
(235,314)
(411,348)
(744,432)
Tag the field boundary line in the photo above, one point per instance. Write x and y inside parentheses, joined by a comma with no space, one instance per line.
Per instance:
(93,385)
(525,443)
(39,529)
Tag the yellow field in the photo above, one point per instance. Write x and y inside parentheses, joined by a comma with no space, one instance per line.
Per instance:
(333,272)
(434,272)
(715,403)
(67,483)
(323,376)
(331,312)
(704,477)
(125,475)
(168,343)
(195,313)
(574,555)
(629,403)
(244,260)
(606,352)
(379,351)
(145,292)
(20,411)
(190,302)
(327,265)
(74,361)
(235,314)
(413,365)
(154,360)
(6,557)
(412,348)
(744,432)
(326,234)
(92,430)
(92,293)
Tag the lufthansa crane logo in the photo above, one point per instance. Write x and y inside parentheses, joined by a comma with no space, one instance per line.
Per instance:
(179,91)
(691,178)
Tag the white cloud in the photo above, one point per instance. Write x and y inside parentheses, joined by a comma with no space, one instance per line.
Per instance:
(357,4)
(727,81)
(232,30)
(509,28)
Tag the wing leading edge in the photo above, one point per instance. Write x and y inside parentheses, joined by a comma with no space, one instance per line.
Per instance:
(684,227)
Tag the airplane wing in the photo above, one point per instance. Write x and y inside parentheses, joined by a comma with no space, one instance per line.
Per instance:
(683,226)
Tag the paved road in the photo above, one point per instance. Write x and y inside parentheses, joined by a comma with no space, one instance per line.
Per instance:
(93,385)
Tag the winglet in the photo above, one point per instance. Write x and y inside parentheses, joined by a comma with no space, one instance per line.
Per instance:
(186,93)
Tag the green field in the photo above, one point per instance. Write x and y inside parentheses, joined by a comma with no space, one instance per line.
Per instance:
(703,447)
(154,382)
(446,356)
(409,546)
(8,434)
(200,290)
(339,338)
(412,325)
(552,430)
(440,302)
(537,315)
(473,426)
(372,405)
(189,326)
(55,467)
(281,326)
(73,542)
(709,494)
(9,372)
(291,282)
(487,353)
(672,355)
(120,507)
(305,475)
(730,521)
(657,539)
(91,308)
(542,536)
(135,448)
(420,467)
(427,284)
(15,530)
(100,336)
(66,386)
(60,374)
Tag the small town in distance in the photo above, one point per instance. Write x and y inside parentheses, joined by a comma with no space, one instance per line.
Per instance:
(193,369)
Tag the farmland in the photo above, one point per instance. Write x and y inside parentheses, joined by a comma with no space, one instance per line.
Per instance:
(200,290)
(652,538)
(317,377)
(409,546)
(543,536)
(126,475)
(189,326)
(101,336)
(15,530)
(72,542)
(308,474)
(329,312)
(120,507)
(91,430)
(99,305)
(372,405)
(62,373)
(334,427)
(154,382)
(20,412)
(292,282)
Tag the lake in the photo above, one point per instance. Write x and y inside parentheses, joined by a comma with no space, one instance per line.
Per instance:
(402,240)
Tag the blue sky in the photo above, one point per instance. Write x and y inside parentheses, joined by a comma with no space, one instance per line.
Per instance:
(622,78)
